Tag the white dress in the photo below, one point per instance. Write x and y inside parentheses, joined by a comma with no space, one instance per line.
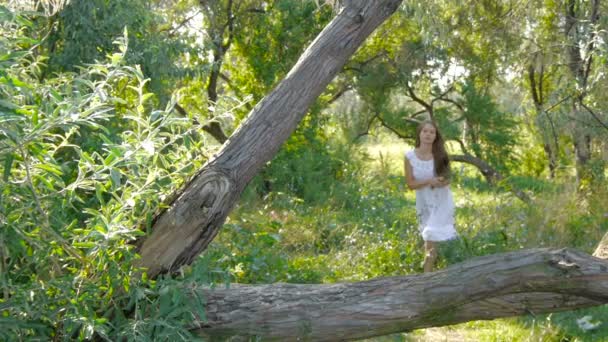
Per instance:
(434,207)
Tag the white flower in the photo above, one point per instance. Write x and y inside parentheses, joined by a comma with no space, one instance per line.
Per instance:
(585,323)
(148,146)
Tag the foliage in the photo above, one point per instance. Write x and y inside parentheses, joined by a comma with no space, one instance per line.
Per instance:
(492,133)
(267,45)
(88,159)
(83,32)
(368,229)
(306,166)
(87,163)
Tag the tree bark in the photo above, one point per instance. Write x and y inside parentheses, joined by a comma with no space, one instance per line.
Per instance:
(180,233)
(582,151)
(491,175)
(528,281)
(551,158)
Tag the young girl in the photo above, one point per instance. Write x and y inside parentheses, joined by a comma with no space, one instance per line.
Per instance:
(427,170)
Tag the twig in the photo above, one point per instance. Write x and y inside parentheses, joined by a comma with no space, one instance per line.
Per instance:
(594,115)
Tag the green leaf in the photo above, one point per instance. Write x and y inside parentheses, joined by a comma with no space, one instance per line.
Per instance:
(50,168)
(8,105)
(115,176)
(8,116)
(84,244)
(99,190)
(8,164)
(197,304)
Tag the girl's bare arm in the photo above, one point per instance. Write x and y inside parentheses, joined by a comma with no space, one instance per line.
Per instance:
(414,184)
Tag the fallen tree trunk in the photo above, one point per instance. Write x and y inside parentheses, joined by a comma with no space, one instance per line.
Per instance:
(523,282)
(180,233)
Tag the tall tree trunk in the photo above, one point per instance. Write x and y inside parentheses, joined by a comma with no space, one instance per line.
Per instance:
(536,79)
(551,159)
(220,48)
(181,232)
(517,283)
(580,69)
(582,151)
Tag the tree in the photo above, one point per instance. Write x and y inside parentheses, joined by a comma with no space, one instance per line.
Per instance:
(82,32)
(580,46)
(202,207)
(195,217)
(562,74)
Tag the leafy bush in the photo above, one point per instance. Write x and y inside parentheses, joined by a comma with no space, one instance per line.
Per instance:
(87,163)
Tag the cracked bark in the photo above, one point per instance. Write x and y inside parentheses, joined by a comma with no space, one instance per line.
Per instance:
(517,283)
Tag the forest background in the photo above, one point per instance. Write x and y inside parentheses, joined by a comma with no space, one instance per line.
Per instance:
(108,107)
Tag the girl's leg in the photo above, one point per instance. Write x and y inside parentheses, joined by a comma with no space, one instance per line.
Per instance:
(430,255)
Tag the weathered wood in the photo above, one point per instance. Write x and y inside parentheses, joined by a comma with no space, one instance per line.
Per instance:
(602,248)
(528,281)
(194,218)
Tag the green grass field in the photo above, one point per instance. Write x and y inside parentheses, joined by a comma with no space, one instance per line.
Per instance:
(367,228)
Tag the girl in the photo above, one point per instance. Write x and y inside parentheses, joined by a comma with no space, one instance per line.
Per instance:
(427,170)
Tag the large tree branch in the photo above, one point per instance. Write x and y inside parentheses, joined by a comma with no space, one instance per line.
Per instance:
(462,146)
(221,47)
(413,96)
(181,232)
(442,97)
(531,77)
(339,93)
(396,132)
(454,102)
(219,51)
(594,115)
(541,80)
(369,127)
(538,99)
(213,128)
(528,281)
(558,103)
(174,30)
(491,175)
(363,64)
(412,119)
(575,62)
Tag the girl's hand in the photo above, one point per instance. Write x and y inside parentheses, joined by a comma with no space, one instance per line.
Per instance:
(443,182)
(438,182)
(435,182)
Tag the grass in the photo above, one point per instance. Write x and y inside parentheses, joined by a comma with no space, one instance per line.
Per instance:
(367,228)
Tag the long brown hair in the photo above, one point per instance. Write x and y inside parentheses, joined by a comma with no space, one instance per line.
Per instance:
(440,155)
